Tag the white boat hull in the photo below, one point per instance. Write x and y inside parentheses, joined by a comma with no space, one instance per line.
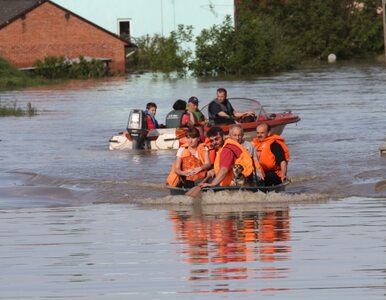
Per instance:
(157,139)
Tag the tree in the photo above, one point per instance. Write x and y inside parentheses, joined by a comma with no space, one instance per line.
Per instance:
(257,46)
(163,54)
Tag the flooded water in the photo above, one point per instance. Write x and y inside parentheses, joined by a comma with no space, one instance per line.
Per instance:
(81,222)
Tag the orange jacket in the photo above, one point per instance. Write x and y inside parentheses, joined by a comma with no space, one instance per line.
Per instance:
(188,161)
(245,160)
(266,157)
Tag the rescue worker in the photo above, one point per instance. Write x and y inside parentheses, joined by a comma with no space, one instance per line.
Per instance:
(192,161)
(229,152)
(273,154)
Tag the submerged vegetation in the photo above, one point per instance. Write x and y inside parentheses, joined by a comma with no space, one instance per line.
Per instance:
(12,78)
(14,110)
(53,67)
(49,71)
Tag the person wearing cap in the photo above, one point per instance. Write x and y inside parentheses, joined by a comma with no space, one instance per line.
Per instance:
(199,118)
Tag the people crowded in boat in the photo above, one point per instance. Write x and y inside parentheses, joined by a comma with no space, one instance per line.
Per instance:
(232,160)
(221,111)
(228,153)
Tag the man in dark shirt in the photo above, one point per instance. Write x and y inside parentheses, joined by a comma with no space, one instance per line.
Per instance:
(220,110)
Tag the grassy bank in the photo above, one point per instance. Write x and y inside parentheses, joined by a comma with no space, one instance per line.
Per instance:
(11,78)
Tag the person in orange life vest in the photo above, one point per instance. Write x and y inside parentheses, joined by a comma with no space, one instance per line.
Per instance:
(151,109)
(192,160)
(236,133)
(273,154)
(229,152)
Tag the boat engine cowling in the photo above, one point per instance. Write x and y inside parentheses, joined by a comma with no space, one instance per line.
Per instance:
(137,128)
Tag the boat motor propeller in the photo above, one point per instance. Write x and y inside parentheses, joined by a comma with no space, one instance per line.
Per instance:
(137,127)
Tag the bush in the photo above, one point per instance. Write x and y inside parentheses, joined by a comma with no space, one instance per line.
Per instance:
(257,46)
(58,67)
(52,67)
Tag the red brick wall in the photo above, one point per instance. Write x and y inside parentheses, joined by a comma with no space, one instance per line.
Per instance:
(46,31)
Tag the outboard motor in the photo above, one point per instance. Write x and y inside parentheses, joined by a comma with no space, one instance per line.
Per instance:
(137,128)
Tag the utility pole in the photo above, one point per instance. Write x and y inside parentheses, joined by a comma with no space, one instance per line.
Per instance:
(384,24)
(162,18)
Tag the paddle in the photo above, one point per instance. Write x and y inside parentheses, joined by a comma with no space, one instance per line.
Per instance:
(195,192)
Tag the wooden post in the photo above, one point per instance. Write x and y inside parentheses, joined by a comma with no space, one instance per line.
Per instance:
(384,24)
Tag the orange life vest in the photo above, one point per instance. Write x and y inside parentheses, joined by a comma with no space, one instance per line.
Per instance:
(188,161)
(244,159)
(212,152)
(266,157)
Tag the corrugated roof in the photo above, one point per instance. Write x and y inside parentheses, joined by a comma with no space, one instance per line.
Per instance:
(11,9)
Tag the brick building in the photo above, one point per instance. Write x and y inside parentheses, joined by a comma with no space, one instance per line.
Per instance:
(34,29)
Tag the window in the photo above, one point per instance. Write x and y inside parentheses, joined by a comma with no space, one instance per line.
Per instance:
(124,28)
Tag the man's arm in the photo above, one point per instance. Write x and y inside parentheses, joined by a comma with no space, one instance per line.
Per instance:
(238,114)
(278,152)
(219,177)
(283,167)
(216,110)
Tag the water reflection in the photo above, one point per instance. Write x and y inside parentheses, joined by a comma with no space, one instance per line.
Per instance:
(217,245)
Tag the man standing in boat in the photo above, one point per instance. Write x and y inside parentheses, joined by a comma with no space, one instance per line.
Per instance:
(228,153)
(220,110)
(273,154)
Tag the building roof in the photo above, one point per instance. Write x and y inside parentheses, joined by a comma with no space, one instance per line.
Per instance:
(11,10)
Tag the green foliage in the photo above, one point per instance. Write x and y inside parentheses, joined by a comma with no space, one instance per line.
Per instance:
(14,110)
(52,67)
(319,27)
(214,49)
(85,69)
(7,69)
(163,54)
(58,67)
(257,46)
(12,78)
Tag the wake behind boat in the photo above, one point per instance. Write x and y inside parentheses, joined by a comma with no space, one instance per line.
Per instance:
(139,137)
